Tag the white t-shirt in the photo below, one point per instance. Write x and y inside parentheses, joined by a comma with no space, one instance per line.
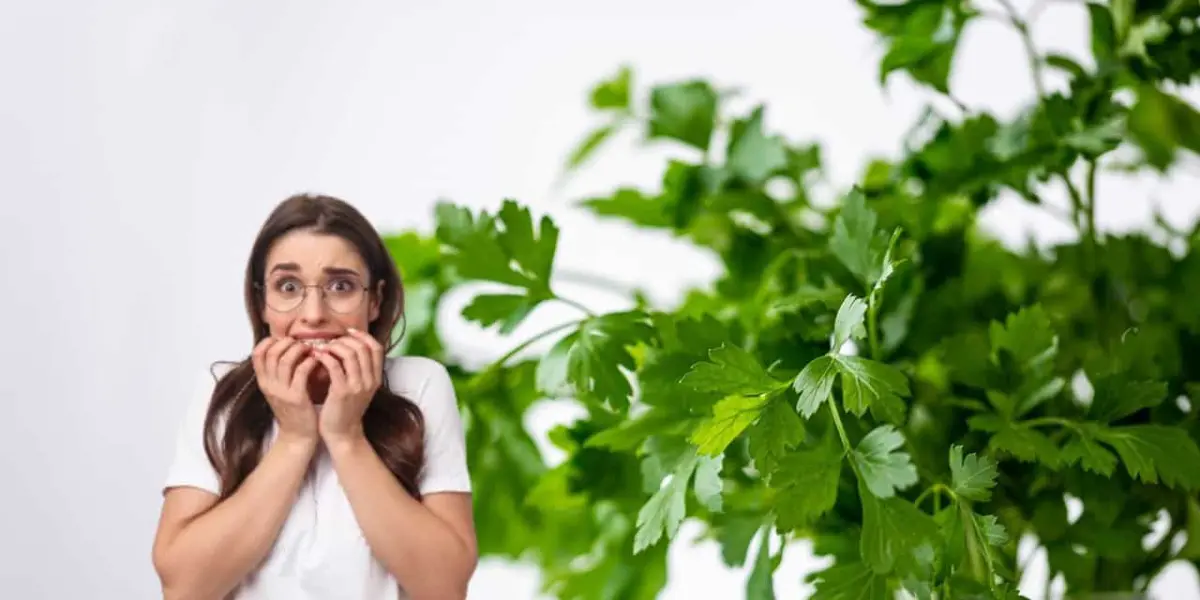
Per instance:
(321,553)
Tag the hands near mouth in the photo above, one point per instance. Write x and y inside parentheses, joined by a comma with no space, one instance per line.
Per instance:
(355,366)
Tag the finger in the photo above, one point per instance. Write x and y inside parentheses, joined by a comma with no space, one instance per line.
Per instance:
(366,363)
(337,376)
(288,361)
(349,360)
(304,370)
(259,357)
(376,350)
(273,355)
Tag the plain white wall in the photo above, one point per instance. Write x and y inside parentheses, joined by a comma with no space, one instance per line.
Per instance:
(141,144)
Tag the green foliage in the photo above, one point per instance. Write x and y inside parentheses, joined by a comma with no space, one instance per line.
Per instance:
(872,374)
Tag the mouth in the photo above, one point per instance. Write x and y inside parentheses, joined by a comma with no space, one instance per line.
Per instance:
(316,342)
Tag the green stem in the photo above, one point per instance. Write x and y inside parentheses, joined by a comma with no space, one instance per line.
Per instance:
(872,322)
(936,490)
(581,307)
(1043,421)
(837,421)
(529,342)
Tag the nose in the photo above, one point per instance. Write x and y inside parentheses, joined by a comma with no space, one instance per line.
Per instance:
(312,308)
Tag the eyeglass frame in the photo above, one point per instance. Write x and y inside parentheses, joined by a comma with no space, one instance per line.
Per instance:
(363,289)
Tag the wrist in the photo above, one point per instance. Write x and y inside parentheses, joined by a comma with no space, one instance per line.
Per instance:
(341,443)
(299,444)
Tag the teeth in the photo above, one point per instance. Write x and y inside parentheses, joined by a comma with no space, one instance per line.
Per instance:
(317,343)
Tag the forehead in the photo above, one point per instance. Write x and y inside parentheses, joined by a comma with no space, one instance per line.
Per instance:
(314,252)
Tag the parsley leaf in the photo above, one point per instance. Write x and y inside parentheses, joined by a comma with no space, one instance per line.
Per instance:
(504,248)
(731,370)
(892,531)
(731,416)
(665,510)
(807,483)
(872,384)
(589,361)
(814,384)
(856,242)
(850,581)
(1154,453)
(883,469)
(972,476)
(849,321)
(778,429)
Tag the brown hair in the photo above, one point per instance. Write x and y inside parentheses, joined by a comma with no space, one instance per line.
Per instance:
(392,424)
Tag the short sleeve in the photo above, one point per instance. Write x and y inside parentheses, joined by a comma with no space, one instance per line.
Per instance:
(445,442)
(190,466)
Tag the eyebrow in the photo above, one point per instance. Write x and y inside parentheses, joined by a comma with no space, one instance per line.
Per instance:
(293,267)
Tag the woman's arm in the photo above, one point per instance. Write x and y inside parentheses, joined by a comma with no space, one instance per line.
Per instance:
(429,547)
(205,548)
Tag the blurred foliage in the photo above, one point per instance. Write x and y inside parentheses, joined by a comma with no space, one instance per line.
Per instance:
(875,375)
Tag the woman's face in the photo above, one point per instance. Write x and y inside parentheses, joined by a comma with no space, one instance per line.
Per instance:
(336,297)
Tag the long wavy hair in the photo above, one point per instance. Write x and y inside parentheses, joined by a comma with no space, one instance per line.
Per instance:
(239,418)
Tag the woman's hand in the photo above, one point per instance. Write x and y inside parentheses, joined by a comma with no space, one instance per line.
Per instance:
(355,365)
(282,366)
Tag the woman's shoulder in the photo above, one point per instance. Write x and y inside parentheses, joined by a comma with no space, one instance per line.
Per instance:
(419,378)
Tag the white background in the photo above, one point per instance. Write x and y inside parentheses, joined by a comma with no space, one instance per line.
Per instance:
(142,143)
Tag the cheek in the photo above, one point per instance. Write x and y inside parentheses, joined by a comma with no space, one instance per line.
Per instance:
(356,321)
(277,325)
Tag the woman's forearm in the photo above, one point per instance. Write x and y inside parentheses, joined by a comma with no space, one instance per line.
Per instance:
(212,553)
(425,555)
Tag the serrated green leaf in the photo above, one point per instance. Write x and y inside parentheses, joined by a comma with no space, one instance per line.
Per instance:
(633,206)
(589,362)
(849,322)
(921,36)
(629,435)
(753,155)
(708,484)
(1027,336)
(807,484)
(503,249)
(883,469)
(892,531)
(972,476)
(506,310)
(777,431)
(1085,450)
(684,111)
(856,242)
(850,581)
(731,370)
(814,384)
(664,511)
(874,385)
(731,416)
(1154,453)
(1117,397)
(1017,440)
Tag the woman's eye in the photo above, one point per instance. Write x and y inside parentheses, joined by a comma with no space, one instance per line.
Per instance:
(287,286)
(342,286)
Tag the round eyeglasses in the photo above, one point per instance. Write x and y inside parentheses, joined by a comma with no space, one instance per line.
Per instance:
(341,295)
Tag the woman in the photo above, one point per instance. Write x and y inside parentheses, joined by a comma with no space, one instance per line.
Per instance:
(318,467)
